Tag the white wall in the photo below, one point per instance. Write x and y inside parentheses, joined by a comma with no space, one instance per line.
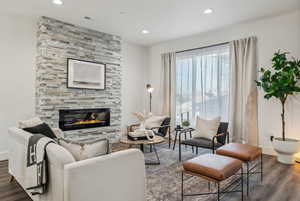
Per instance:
(279,32)
(135,65)
(17,77)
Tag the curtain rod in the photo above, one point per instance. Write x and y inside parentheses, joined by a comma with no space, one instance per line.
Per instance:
(199,48)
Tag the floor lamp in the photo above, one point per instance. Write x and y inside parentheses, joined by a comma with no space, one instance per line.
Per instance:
(150,90)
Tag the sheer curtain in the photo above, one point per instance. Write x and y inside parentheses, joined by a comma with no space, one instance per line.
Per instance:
(202,83)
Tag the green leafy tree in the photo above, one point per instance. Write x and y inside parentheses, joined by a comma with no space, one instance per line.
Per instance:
(281,81)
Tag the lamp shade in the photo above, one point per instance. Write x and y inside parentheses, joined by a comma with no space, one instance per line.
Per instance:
(149,88)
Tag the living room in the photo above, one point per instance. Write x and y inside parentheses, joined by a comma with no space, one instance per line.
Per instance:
(130,90)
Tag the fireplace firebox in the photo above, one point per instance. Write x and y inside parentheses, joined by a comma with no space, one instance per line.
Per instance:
(75,119)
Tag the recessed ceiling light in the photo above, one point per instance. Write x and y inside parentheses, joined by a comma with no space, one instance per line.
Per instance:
(145,31)
(208,11)
(57,2)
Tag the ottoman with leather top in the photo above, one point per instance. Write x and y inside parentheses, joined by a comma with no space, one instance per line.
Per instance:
(245,153)
(215,168)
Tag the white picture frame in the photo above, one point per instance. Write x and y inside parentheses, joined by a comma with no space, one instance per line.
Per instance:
(86,75)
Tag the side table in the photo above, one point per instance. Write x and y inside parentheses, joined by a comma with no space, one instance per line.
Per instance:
(142,143)
(179,132)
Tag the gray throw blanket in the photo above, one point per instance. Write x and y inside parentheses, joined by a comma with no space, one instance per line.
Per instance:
(36,170)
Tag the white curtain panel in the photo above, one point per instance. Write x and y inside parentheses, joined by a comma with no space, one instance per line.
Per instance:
(168,81)
(202,83)
(243,92)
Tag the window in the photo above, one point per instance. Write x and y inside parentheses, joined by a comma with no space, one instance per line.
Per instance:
(202,83)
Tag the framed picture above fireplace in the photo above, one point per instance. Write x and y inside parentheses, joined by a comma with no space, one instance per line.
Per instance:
(86,74)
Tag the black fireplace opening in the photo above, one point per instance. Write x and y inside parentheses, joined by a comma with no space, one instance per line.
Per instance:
(83,118)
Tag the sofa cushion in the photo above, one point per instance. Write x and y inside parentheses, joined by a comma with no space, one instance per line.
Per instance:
(206,128)
(86,149)
(200,142)
(41,129)
(154,121)
(30,122)
(243,152)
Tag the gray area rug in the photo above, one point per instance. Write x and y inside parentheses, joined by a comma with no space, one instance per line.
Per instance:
(164,180)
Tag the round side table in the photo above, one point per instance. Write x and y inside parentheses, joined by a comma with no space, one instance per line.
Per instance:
(142,143)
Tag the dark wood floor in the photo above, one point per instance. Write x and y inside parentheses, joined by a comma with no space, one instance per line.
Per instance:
(281,183)
(10,191)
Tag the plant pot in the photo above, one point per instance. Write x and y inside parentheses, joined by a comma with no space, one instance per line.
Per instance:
(286,150)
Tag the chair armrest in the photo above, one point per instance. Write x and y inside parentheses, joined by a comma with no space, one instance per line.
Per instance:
(214,139)
(119,176)
(218,135)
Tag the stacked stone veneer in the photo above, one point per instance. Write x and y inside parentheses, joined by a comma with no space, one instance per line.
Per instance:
(58,41)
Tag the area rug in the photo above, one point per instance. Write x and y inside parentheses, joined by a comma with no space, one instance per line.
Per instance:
(164,180)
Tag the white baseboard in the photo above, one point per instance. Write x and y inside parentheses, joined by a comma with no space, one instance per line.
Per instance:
(269,151)
(3,156)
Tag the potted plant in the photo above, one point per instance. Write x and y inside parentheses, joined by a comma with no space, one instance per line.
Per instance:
(282,82)
(186,124)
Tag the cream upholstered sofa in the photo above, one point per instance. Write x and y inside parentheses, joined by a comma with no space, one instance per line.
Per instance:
(119,176)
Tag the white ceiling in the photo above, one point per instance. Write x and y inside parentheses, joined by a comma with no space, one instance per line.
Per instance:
(165,19)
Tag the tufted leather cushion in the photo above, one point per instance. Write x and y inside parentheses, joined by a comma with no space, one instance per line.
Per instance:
(243,152)
(213,166)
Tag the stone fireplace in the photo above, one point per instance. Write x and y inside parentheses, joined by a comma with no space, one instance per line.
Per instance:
(58,41)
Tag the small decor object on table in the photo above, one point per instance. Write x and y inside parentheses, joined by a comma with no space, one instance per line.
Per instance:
(281,82)
(86,75)
(142,117)
(141,133)
(186,124)
(185,121)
